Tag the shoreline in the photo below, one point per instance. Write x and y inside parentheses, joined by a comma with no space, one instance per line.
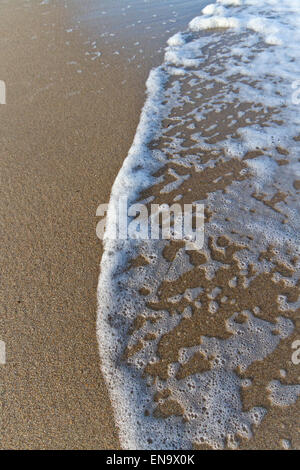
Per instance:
(75,76)
(175,312)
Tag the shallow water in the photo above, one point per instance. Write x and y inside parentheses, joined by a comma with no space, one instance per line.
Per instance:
(196,345)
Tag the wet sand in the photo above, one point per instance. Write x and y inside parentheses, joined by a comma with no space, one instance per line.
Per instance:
(65,130)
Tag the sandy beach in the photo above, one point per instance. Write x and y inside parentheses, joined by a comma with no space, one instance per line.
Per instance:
(65,130)
(75,75)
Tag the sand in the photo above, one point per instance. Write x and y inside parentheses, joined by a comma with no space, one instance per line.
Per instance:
(69,121)
(65,130)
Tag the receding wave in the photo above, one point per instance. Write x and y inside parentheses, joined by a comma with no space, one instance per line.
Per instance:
(196,345)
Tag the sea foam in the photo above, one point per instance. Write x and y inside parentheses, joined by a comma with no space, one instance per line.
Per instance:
(181,335)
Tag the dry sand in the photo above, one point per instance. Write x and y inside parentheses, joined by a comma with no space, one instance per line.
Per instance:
(65,131)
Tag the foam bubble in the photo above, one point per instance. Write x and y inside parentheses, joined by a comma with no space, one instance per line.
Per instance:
(222,112)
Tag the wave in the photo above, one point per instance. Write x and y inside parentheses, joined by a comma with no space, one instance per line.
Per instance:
(196,344)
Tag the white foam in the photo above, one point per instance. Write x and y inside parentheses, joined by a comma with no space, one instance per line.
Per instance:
(199,23)
(283,395)
(176,40)
(265,56)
